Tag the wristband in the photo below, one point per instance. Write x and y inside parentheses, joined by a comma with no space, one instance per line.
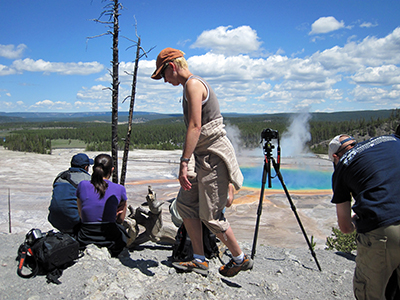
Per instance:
(184,159)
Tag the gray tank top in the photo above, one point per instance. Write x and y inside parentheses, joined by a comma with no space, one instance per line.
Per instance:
(210,106)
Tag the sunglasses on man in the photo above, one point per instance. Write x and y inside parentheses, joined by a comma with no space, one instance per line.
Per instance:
(162,73)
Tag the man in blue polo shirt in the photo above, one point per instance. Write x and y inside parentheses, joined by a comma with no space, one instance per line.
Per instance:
(63,210)
(369,173)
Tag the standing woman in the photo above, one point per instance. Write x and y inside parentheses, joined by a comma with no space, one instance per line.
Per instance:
(203,199)
(102,208)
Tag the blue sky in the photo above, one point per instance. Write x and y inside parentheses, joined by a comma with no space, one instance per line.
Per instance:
(259,56)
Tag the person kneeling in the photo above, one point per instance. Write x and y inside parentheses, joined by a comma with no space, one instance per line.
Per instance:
(102,208)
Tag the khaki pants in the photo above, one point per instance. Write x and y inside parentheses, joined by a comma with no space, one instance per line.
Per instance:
(378,255)
(208,195)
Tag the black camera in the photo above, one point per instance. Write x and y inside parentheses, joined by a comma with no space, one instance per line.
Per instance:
(269,134)
(33,235)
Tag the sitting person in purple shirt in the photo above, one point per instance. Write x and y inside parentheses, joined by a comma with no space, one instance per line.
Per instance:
(102,208)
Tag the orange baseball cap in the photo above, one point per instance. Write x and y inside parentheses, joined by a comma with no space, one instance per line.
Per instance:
(166,55)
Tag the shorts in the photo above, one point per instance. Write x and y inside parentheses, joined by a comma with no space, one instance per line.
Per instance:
(208,196)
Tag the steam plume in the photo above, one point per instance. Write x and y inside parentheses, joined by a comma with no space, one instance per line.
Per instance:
(293,141)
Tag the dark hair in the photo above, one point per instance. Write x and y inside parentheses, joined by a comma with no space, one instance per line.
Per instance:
(102,167)
(398,130)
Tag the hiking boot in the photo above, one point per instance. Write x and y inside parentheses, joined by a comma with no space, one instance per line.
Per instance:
(193,265)
(232,268)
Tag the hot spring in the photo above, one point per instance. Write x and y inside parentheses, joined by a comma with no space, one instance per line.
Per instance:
(294,178)
(300,169)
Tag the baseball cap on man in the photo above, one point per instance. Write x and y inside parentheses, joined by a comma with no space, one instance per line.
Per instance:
(81,160)
(165,56)
(335,144)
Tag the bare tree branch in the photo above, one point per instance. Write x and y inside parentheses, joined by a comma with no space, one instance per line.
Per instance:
(111,10)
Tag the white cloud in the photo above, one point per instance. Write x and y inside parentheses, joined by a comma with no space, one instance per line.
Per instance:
(48,104)
(241,40)
(126,70)
(6,105)
(382,75)
(281,83)
(357,72)
(96,92)
(79,68)
(304,81)
(370,52)
(242,68)
(92,106)
(325,25)
(12,52)
(98,98)
(44,103)
(378,95)
(4,70)
(368,25)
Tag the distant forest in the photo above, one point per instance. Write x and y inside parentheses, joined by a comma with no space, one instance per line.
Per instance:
(167,132)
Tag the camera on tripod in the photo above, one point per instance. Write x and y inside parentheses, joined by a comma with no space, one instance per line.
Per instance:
(269,134)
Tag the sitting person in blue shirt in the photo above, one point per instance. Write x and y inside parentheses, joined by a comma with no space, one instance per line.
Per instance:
(63,210)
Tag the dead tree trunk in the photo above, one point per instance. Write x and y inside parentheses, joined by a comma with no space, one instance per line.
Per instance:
(115,88)
(112,11)
(132,104)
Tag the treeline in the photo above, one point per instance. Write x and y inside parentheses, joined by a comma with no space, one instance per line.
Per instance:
(169,133)
(322,131)
(97,136)
(250,128)
(29,142)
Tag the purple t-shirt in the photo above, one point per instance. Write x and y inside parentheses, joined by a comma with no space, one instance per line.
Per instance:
(96,210)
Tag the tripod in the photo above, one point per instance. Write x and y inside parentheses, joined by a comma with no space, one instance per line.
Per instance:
(268,146)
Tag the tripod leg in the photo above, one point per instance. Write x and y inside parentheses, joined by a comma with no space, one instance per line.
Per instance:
(259,210)
(295,212)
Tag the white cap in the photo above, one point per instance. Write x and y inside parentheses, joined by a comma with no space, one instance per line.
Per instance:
(335,144)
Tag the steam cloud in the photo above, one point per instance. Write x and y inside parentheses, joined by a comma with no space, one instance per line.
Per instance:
(233,133)
(293,141)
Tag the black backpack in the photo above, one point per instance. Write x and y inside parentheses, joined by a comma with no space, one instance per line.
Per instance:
(182,249)
(46,254)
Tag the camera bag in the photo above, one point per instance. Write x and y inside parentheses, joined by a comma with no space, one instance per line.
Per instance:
(46,254)
(182,249)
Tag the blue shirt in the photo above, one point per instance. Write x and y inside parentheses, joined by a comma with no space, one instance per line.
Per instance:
(370,173)
(63,210)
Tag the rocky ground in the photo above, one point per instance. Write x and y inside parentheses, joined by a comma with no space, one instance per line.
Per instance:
(26,183)
(146,273)
(284,267)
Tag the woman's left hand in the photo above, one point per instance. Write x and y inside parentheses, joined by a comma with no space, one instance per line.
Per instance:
(183,179)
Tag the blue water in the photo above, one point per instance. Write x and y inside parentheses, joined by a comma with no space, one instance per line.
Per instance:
(294,179)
